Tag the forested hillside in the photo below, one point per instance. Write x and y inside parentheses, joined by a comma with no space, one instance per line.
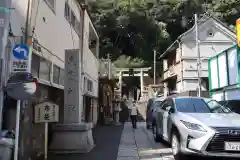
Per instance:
(131,29)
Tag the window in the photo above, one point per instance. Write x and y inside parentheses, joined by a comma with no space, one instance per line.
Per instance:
(56,74)
(35,65)
(197,105)
(167,104)
(157,103)
(77,27)
(51,4)
(216,107)
(61,79)
(89,85)
(191,105)
(67,11)
(44,69)
(73,19)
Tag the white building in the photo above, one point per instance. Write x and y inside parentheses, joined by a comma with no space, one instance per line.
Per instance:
(57,25)
(180,59)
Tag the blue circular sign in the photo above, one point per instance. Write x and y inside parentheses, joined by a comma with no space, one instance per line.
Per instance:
(21,51)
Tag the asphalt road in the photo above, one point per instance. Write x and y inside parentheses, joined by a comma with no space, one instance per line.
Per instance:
(107,139)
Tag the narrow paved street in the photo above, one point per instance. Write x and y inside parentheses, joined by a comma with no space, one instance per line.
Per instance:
(138,144)
(125,143)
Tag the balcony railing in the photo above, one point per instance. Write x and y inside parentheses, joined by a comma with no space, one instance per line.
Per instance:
(170,72)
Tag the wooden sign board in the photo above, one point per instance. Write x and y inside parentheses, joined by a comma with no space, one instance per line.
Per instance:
(46,112)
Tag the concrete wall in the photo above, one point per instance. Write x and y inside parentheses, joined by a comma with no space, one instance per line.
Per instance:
(54,33)
(91,61)
(53,30)
(174,70)
(214,38)
(18,16)
(194,93)
(91,65)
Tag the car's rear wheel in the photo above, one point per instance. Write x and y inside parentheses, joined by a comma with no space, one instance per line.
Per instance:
(156,135)
(175,144)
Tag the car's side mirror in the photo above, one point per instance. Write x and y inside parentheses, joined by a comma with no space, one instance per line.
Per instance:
(171,110)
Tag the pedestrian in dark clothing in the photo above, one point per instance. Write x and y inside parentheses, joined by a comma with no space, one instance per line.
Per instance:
(101,115)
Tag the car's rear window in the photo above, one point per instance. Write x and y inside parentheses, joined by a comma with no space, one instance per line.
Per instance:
(157,103)
(149,104)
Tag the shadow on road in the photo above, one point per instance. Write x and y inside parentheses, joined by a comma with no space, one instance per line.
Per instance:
(107,139)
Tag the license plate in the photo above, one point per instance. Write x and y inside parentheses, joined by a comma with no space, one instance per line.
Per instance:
(232,146)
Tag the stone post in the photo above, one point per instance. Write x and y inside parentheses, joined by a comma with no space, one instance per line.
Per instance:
(120,83)
(141,82)
(165,89)
(73,136)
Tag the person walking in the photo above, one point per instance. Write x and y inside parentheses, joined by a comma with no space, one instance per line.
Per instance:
(134,115)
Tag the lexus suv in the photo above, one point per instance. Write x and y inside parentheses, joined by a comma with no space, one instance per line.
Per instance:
(200,126)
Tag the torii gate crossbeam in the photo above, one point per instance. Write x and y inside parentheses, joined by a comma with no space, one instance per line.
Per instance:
(141,74)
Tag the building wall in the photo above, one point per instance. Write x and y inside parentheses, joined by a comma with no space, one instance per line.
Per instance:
(95,112)
(192,85)
(91,61)
(90,66)
(18,16)
(214,38)
(55,33)
(174,70)
(207,48)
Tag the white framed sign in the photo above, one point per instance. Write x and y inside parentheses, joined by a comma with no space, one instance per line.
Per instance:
(46,112)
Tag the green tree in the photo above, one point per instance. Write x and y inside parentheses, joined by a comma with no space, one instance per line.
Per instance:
(131,29)
(128,28)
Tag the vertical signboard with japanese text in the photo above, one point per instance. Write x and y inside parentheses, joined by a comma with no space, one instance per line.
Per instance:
(72,87)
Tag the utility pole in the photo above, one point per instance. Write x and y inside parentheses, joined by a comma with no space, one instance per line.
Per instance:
(5,6)
(28,29)
(154,67)
(198,55)
(24,128)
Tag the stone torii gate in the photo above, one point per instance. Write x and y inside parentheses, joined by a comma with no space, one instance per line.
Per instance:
(124,72)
